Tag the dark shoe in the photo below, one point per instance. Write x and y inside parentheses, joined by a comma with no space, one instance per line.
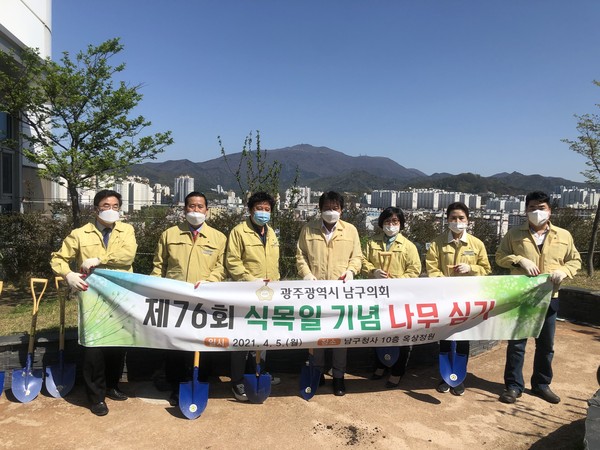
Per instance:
(174,399)
(378,374)
(339,388)
(509,396)
(100,409)
(443,387)
(239,392)
(546,394)
(116,394)
(393,382)
(322,380)
(458,390)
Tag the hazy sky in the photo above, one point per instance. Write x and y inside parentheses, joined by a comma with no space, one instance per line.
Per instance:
(453,86)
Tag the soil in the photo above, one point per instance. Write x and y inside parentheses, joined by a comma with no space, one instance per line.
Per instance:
(415,416)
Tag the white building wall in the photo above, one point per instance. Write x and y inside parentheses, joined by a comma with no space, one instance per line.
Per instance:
(28,23)
(428,200)
(383,198)
(407,200)
(182,187)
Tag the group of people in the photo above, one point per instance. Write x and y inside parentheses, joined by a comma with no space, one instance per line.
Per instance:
(328,248)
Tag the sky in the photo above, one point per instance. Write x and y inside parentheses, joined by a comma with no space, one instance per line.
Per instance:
(436,85)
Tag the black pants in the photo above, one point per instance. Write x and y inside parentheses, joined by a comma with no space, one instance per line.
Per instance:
(399,367)
(462,347)
(179,366)
(102,370)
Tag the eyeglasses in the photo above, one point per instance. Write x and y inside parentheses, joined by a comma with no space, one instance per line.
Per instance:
(107,207)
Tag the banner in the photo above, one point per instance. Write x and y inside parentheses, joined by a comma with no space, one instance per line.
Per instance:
(132,310)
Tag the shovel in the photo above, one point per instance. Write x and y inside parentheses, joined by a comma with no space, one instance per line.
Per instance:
(257,386)
(193,395)
(453,366)
(27,382)
(310,377)
(60,378)
(387,355)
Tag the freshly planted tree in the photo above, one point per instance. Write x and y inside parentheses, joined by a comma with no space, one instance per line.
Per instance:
(587,144)
(80,128)
(253,172)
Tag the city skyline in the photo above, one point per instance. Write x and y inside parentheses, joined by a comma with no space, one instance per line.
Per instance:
(439,87)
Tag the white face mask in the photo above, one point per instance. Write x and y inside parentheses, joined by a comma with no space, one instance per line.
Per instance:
(538,217)
(330,216)
(109,215)
(391,230)
(457,227)
(195,219)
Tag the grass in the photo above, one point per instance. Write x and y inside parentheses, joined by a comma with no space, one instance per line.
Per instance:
(16,306)
(16,310)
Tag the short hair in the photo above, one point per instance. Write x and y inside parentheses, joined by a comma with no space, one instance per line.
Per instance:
(457,205)
(391,211)
(195,194)
(332,196)
(104,193)
(538,196)
(259,197)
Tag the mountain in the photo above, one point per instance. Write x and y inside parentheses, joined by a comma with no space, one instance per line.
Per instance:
(325,169)
(320,167)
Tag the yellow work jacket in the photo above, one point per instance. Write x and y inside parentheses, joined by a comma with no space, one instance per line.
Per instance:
(86,242)
(181,258)
(442,254)
(558,251)
(247,258)
(328,260)
(405,261)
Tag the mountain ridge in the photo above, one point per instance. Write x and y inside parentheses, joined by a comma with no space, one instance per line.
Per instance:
(323,168)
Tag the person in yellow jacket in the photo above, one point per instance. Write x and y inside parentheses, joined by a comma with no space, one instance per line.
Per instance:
(533,248)
(109,244)
(329,249)
(191,251)
(456,253)
(252,255)
(404,262)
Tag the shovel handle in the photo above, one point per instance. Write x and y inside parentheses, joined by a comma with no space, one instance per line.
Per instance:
(257,359)
(61,303)
(36,306)
(196,359)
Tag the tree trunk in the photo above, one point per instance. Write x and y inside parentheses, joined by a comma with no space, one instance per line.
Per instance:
(75,206)
(592,246)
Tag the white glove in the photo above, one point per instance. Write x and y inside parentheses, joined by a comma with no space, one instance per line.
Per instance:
(378,273)
(89,264)
(75,281)
(310,277)
(557,276)
(348,275)
(462,268)
(529,266)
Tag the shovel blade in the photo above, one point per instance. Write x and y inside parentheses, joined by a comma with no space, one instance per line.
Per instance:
(60,379)
(453,368)
(388,355)
(309,381)
(257,387)
(26,384)
(1,382)
(193,398)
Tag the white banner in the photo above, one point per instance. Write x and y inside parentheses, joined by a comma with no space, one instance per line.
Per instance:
(132,310)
